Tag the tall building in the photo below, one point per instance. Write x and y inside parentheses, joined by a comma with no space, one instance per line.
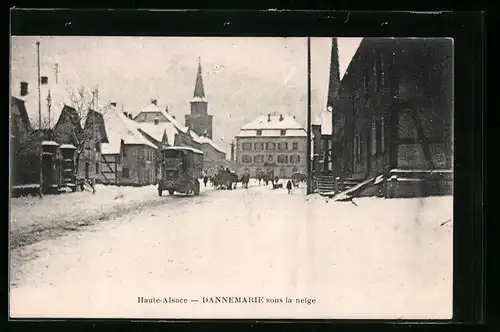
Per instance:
(272,144)
(199,120)
(394,116)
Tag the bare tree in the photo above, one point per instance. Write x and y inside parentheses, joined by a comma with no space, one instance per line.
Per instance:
(83,100)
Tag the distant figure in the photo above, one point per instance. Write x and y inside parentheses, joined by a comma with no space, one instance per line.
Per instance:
(289,186)
(205,180)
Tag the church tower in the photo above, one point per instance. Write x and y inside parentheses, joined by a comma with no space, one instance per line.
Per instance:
(199,120)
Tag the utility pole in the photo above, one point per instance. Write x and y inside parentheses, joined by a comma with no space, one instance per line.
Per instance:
(94,150)
(49,104)
(57,72)
(309,171)
(40,193)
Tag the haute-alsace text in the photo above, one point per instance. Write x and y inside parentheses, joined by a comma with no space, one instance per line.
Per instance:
(158,300)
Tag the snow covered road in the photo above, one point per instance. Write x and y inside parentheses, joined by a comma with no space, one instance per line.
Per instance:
(381,258)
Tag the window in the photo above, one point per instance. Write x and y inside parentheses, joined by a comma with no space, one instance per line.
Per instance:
(270,146)
(98,147)
(258,146)
(282,172)
(246,146)
(366,81)
(374,139)
(295,170)
(382,135)
(282,145)
(357,148)
(246,159)
(382,70)
(295,159)
(270,158)
(283,132)
(380,148)
(282,159)
(258,159)
(295,146)
(258,171)
(259,132)
(126,173)
(97,168)
(124,152)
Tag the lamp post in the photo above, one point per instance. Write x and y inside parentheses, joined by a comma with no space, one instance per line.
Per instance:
(49,104)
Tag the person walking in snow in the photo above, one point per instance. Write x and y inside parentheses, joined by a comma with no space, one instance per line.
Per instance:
(205,180)
(289,186)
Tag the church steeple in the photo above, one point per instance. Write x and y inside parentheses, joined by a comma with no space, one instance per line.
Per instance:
(199,120)
(199,91)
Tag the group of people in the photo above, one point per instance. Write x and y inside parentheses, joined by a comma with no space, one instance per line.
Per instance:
(226,178)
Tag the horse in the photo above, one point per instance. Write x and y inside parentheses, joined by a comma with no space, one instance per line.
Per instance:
(224,180)
(244,180)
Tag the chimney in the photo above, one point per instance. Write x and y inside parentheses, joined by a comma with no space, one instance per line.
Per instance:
(130,116)
(44,80)
(173,116)
(126,114)
(24,89)
(157,121)
(154,102)
(281,117)
(113,104)
(269,117)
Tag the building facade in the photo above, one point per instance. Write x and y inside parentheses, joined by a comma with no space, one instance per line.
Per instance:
(128,158)
(199,120)
(274,145)
(393,115)
(213,156)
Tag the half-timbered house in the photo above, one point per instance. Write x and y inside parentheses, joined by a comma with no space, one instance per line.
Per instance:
(128,158)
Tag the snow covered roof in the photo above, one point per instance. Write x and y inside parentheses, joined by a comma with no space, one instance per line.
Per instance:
(193,135)
(18,107)
(51,143)
(118,128)
(184,148)
(273,133)
(67,146)
(325,120)
(152,108)
(206,140)
(157,131)
(273,122)
(198,99)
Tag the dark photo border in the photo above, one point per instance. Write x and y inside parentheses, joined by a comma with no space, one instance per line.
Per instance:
(467,29)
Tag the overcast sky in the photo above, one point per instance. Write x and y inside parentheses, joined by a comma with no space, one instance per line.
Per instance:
(243,77)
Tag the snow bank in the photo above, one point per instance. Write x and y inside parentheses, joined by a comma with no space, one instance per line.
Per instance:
(28,213)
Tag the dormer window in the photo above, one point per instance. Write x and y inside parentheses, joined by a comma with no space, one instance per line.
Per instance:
(259,132)
(283,132)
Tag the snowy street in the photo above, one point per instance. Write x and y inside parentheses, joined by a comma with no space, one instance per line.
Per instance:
(380,259)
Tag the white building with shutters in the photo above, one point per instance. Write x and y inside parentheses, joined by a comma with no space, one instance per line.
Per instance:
(272,144)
